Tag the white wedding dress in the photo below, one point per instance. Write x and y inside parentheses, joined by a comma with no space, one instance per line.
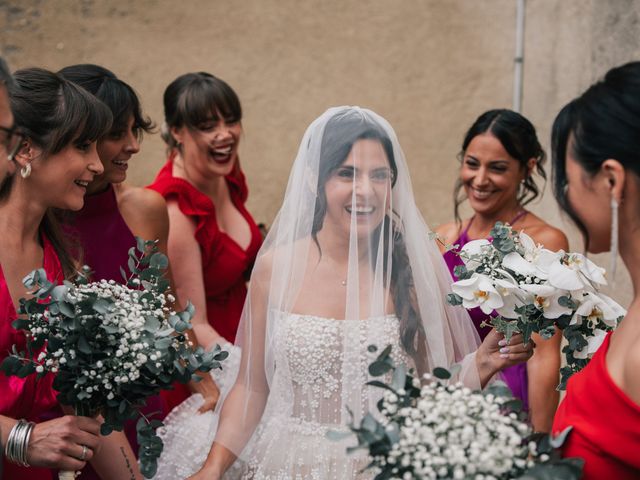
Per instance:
(292,444)
(348,242)
(187,434)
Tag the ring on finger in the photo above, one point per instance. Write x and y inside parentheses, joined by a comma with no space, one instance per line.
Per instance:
(83,455)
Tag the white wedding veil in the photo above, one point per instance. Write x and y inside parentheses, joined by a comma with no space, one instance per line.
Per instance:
(348,245)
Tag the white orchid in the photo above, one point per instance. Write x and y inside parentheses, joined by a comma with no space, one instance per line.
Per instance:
(525,274)
(546,298)
(478,291)
(534,263)
(518,264)
(472,250)
(576,272)
(596,307)
(512,296)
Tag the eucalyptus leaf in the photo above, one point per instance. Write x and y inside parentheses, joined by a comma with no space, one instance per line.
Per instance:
(454,299)
(336,436)
(379,368)
(159,261)
(441,373)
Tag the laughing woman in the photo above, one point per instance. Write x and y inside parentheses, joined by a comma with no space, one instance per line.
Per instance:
(115,213)
(213,240)
(500,155)
(56,161)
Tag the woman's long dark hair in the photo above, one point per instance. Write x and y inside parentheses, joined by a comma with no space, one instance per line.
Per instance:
(603,123)
(518,137)
(53,113)
(114,93)
(340,134)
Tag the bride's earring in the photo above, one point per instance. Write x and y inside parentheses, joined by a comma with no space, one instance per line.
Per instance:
(614,239)
(26,170)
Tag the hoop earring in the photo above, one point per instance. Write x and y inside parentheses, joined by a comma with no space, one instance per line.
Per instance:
(25,171)
(613,247)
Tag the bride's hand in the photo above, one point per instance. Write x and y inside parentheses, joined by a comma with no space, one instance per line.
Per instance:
(209,391)
(497,354)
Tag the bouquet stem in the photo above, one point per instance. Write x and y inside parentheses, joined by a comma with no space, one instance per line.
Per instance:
(70,474)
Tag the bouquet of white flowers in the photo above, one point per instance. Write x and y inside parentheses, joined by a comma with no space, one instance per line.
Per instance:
(431,429)
(534,290)
(110,346)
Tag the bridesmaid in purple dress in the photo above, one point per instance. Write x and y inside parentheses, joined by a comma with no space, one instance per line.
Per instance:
(500,154)
(115,213)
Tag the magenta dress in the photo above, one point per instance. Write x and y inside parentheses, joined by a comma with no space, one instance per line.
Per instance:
(515,376)
(106,239)
(34,400)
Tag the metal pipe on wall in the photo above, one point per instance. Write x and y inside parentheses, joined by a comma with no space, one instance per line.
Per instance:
(518,61)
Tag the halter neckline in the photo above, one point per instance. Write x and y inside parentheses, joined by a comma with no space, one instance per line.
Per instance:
(517,217)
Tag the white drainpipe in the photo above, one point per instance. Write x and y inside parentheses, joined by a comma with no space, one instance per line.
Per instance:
(519,58)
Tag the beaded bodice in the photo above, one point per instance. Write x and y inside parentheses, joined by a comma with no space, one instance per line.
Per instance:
(321,365)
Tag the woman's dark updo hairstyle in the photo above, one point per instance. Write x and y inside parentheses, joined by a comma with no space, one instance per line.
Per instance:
(195,98)
(340,134)
(114,93)
(518,137)
(54,113)
(603,123)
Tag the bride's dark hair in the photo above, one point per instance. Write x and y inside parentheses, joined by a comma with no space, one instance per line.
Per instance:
(340,134)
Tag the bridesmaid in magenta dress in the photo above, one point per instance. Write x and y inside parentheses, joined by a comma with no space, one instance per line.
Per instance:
(115,213)
(500,154)
(56,160)
(596,164)
(213,240)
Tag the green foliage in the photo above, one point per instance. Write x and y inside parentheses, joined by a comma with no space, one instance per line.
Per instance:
(454,299)
(379,437)
(503,238)
(82,323)
(461,272)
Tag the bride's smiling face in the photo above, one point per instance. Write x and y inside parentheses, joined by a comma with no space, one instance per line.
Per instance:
(358,191)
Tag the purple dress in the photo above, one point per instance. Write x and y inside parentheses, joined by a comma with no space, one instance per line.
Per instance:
(105,240)
(515,376)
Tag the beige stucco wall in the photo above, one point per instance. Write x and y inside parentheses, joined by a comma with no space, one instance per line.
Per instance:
(429,66)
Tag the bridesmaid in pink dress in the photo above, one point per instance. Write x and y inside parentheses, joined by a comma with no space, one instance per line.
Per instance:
(500,154)
(56,160)
(114,212)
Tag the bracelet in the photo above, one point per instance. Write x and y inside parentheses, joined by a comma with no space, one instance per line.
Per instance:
(18,442)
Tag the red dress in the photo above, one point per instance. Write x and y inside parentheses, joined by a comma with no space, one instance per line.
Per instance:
(606,422)
(25,397)
(225,265)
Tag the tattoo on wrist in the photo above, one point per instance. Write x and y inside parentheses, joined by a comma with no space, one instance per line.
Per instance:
(128,463)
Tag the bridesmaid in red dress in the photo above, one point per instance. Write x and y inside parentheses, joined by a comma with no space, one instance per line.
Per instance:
(596,161)
(213,240)
(56,159)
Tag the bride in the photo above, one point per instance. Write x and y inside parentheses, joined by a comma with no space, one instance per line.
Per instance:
(349,263)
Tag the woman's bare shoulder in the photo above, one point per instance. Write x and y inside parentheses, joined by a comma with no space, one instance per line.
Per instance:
(449,232)
(144,200)
(542,232)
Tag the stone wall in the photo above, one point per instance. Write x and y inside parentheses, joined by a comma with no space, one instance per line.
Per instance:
(429,66)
